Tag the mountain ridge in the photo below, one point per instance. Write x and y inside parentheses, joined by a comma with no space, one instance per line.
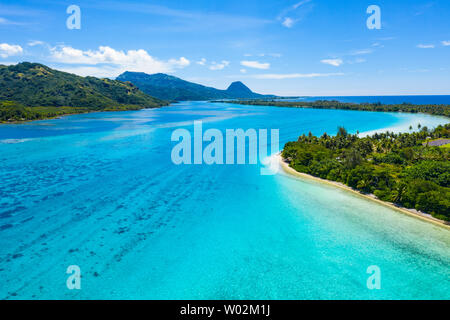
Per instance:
(167,87)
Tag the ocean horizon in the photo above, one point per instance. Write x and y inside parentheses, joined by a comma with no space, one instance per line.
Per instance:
(390,99)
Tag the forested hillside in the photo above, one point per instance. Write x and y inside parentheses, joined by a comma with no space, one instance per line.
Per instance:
(399,168)
(26,86)
(442,110)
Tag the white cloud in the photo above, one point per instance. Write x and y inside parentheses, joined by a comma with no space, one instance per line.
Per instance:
(4,21)
(99,72)
(179,63)
(8,50)
(295,6)
(34,43)
(332,62)
(113,62)
(288,22)
(9,63)
(378,45)
(255,65)
(425,46)
(291,15)
(446,43)
(202,62)
(361,52)
(243,71)
(423,8)
(295,75)
(219,66)
(275,55)
(356,61)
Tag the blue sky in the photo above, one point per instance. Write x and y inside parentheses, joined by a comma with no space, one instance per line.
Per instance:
(300,47)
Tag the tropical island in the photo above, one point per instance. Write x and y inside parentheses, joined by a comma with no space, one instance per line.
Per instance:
(433,109)
(411,170)
(32,91)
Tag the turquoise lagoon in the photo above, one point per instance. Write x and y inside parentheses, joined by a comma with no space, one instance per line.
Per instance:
(100,191)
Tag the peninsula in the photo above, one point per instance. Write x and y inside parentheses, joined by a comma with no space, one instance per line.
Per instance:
(402,169)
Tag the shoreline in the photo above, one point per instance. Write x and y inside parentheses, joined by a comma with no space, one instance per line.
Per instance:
(335,108)
(73,114)
(44,119)
(410,212)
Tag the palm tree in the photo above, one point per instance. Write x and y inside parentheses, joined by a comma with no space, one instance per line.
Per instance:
(399,192)
(363,185)
(353,158)
(342,132)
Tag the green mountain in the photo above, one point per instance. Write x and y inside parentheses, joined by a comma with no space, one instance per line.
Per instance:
(238,89)
(172,88)
(33,91)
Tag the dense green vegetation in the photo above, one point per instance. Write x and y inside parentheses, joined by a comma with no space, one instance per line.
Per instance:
(11,111)
(399,168)
(30,91)
(171,88)
(441,110)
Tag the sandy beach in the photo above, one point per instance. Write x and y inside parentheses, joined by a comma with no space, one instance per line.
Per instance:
(410,212)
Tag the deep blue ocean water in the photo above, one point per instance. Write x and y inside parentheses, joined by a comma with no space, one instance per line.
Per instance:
(100,191)
(442,99)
